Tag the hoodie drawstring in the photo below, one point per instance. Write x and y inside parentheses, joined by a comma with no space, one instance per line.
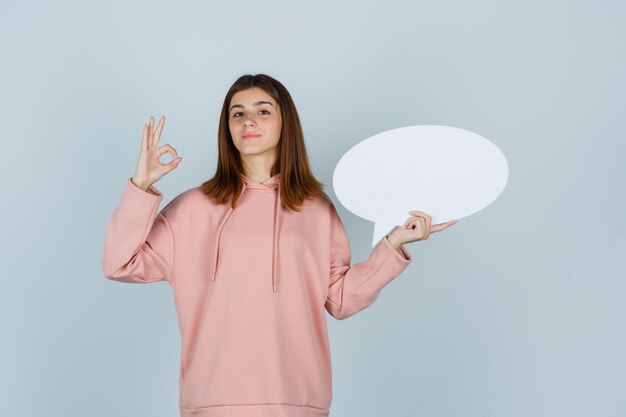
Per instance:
(275,241)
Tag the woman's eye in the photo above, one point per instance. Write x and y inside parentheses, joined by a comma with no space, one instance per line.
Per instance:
(236,114)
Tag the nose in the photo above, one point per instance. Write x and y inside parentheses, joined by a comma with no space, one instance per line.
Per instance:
(248,122)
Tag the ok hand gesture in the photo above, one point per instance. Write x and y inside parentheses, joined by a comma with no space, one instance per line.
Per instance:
(149,168)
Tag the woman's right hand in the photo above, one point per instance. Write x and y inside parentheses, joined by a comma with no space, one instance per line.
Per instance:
(149,168)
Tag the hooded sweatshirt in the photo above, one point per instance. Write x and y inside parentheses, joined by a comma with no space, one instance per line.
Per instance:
(251,286)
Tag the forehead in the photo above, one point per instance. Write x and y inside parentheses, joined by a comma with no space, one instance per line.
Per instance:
(251,95)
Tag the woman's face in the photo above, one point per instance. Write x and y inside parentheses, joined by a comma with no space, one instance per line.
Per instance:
(254,112)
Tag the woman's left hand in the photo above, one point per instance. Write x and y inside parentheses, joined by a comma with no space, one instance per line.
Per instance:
(415,228)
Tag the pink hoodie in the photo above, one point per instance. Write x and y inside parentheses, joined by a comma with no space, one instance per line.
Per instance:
(251,287)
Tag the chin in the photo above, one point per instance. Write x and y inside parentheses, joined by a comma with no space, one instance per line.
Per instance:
(253,151)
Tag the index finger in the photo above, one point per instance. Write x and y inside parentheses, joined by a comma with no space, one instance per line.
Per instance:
(441,226)
(159,129)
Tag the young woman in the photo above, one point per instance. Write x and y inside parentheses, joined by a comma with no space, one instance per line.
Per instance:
(255,257)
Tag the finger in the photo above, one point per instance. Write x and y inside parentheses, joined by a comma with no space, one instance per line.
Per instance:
(421,214)
(172,164)
(144,138)
(441,226)
(167,148)
(425,230)
(446,224)
(151,132)
(159,129)
(413,217)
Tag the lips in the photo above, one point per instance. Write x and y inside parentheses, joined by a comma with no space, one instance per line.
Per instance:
(250,136)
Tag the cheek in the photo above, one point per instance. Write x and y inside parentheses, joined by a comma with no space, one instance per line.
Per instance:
(233,125)
(277,126)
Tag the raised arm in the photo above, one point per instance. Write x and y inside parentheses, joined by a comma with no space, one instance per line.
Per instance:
(139,243)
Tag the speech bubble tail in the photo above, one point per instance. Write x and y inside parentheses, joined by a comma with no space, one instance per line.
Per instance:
(380,230)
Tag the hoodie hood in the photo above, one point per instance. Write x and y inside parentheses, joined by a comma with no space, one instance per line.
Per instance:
(272,184)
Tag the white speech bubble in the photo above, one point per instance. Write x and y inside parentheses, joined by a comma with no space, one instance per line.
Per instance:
(445,172)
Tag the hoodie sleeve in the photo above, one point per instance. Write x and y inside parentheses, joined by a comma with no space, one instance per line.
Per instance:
(354,288)
(139,242)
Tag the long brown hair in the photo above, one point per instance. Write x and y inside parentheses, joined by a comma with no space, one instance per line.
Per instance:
(296,179)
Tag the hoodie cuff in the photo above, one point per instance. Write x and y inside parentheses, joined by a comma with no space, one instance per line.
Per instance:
(151,189)
(400,253)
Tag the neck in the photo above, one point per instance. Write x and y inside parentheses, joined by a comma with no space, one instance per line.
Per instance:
(258,167)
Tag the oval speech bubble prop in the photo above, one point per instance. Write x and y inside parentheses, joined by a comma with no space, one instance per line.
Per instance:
(445,172)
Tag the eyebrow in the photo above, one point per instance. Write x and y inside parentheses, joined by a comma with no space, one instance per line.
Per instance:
(258,103)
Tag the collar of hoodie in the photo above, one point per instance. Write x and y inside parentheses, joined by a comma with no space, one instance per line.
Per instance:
(271,183)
